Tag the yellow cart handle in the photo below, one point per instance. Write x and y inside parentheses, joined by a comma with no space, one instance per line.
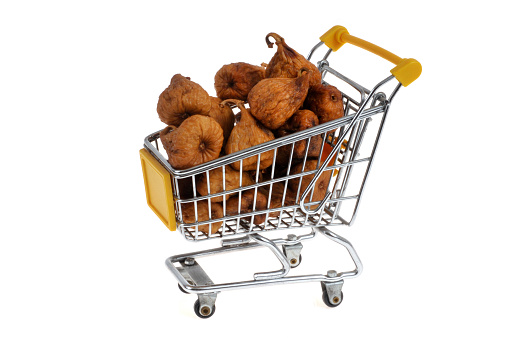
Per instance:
(406,70)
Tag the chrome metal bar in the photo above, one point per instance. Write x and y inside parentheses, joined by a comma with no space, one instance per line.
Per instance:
(253,283)
(223,172)
(273,247)
(349,247)
(327,54)
(269,197)
(368,169)
(394,92)
(353,156)
(313,49)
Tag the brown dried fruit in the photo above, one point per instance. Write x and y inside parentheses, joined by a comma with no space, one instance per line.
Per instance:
(165,134)
(301,120)
(232,181)
(276,199)
(273,101)
(234,81)
(189,217)
(287,62)
(326,101)
(248,133)
(321,184)
(198,140)
(223,115)
(182,99)
(247,204)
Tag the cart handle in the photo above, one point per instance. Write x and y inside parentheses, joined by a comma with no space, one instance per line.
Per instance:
(406,70)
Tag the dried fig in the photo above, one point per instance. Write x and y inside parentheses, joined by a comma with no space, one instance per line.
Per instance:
(273,101)
(276,198)
(234,81)
(198,140)
(321,184)
(287,62)
(223,115)
(189,216)
(326,101)
(301,120)
(246,205)
(164,135)
(248,133)
(182,99)
(232,180)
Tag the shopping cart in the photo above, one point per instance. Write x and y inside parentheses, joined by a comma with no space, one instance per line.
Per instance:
(343,141)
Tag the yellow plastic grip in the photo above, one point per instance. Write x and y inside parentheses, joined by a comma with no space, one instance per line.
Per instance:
(158,189)
(406,70)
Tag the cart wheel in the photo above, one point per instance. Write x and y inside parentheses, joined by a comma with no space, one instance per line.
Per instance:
(325,298)
(182,289)
(205,312)
(300,260)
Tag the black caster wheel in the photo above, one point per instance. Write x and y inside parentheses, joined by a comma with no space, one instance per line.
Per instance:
(337,300)
(182,289)
(300,260)
(205,312)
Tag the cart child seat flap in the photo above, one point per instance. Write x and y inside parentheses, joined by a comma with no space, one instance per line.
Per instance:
(158,189)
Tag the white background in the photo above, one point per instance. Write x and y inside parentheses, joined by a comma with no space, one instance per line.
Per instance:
(81,253)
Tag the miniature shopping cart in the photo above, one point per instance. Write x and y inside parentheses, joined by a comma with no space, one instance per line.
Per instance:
(348,146)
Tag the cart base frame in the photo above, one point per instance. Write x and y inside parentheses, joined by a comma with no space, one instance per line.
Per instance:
(193,279)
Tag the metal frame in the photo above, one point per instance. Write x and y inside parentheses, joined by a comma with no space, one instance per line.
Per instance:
(194,280)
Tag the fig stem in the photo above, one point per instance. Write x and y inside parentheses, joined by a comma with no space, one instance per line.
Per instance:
(302,71)
(233,101)
(238,103)
(276,37)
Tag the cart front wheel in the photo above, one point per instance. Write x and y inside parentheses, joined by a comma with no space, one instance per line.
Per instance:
(204,312)
(334,302)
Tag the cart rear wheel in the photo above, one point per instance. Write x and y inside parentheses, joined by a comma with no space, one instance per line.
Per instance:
(296,264)
(335,301)
(206,312)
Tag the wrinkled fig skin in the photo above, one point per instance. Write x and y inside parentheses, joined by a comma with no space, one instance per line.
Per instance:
(189,217)
(246,205)
(273,101)
(301,120)
(182,99)
(247,133)
(197,140)
(326,101)
(276,198)
(287,62)
(164,136)
(234,81)
(223,115)
(232,180)
(321,184)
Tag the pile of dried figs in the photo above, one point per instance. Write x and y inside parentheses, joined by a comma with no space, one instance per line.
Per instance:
(276,99)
